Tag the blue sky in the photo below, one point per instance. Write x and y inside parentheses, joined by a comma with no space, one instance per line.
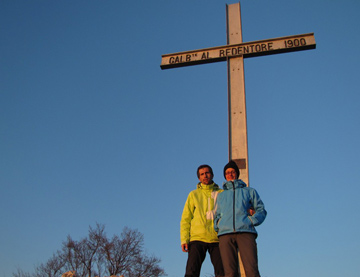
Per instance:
(92,130)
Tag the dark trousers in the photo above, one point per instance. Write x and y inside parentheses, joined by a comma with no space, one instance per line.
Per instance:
(196,256)
(245,243)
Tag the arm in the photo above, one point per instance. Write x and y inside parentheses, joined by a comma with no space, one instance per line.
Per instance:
(260,213)
(185,223)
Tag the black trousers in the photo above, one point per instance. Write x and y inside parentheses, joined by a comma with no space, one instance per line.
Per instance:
(197,254)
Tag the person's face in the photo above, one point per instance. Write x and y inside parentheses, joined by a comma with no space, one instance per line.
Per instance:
(230,174)
(205,176)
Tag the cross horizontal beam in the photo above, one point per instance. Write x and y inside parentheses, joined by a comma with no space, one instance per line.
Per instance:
(247,49)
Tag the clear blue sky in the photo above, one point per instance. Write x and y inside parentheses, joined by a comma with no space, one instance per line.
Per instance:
(92,130)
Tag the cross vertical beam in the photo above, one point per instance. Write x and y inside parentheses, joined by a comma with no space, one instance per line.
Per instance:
(238,146)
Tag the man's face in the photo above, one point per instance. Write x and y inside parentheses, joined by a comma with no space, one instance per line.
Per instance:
(230,174)
(205,176)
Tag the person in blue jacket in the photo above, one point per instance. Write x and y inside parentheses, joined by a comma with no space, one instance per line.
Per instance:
(235,225)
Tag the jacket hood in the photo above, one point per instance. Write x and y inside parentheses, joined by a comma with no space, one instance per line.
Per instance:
(234,184)
(203,186)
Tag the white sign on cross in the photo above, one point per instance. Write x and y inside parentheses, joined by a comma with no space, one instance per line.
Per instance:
(234,53)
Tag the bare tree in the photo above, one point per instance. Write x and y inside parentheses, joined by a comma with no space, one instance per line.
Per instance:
(73,262)
(96,255)
(87,251)
(121,253)
(53,267)
(144,266)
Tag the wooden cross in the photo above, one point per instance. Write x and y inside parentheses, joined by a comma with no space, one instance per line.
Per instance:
(234,53)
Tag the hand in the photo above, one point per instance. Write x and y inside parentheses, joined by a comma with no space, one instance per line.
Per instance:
(185,247)
(251,211)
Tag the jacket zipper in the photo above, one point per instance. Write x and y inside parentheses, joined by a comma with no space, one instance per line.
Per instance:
(233,206)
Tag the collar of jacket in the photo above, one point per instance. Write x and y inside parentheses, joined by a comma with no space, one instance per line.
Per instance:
(234,184)
(209,187)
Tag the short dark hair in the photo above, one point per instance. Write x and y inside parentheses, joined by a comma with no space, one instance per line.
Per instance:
(204,166)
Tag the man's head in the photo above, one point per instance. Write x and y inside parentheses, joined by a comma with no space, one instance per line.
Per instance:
(231,171)
(205,174)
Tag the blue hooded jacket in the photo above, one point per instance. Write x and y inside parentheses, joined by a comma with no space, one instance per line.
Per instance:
(232,205)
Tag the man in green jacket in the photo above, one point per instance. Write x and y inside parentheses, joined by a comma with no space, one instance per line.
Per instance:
(197,232)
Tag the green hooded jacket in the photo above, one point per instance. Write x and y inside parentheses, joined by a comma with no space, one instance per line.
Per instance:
(197,220)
